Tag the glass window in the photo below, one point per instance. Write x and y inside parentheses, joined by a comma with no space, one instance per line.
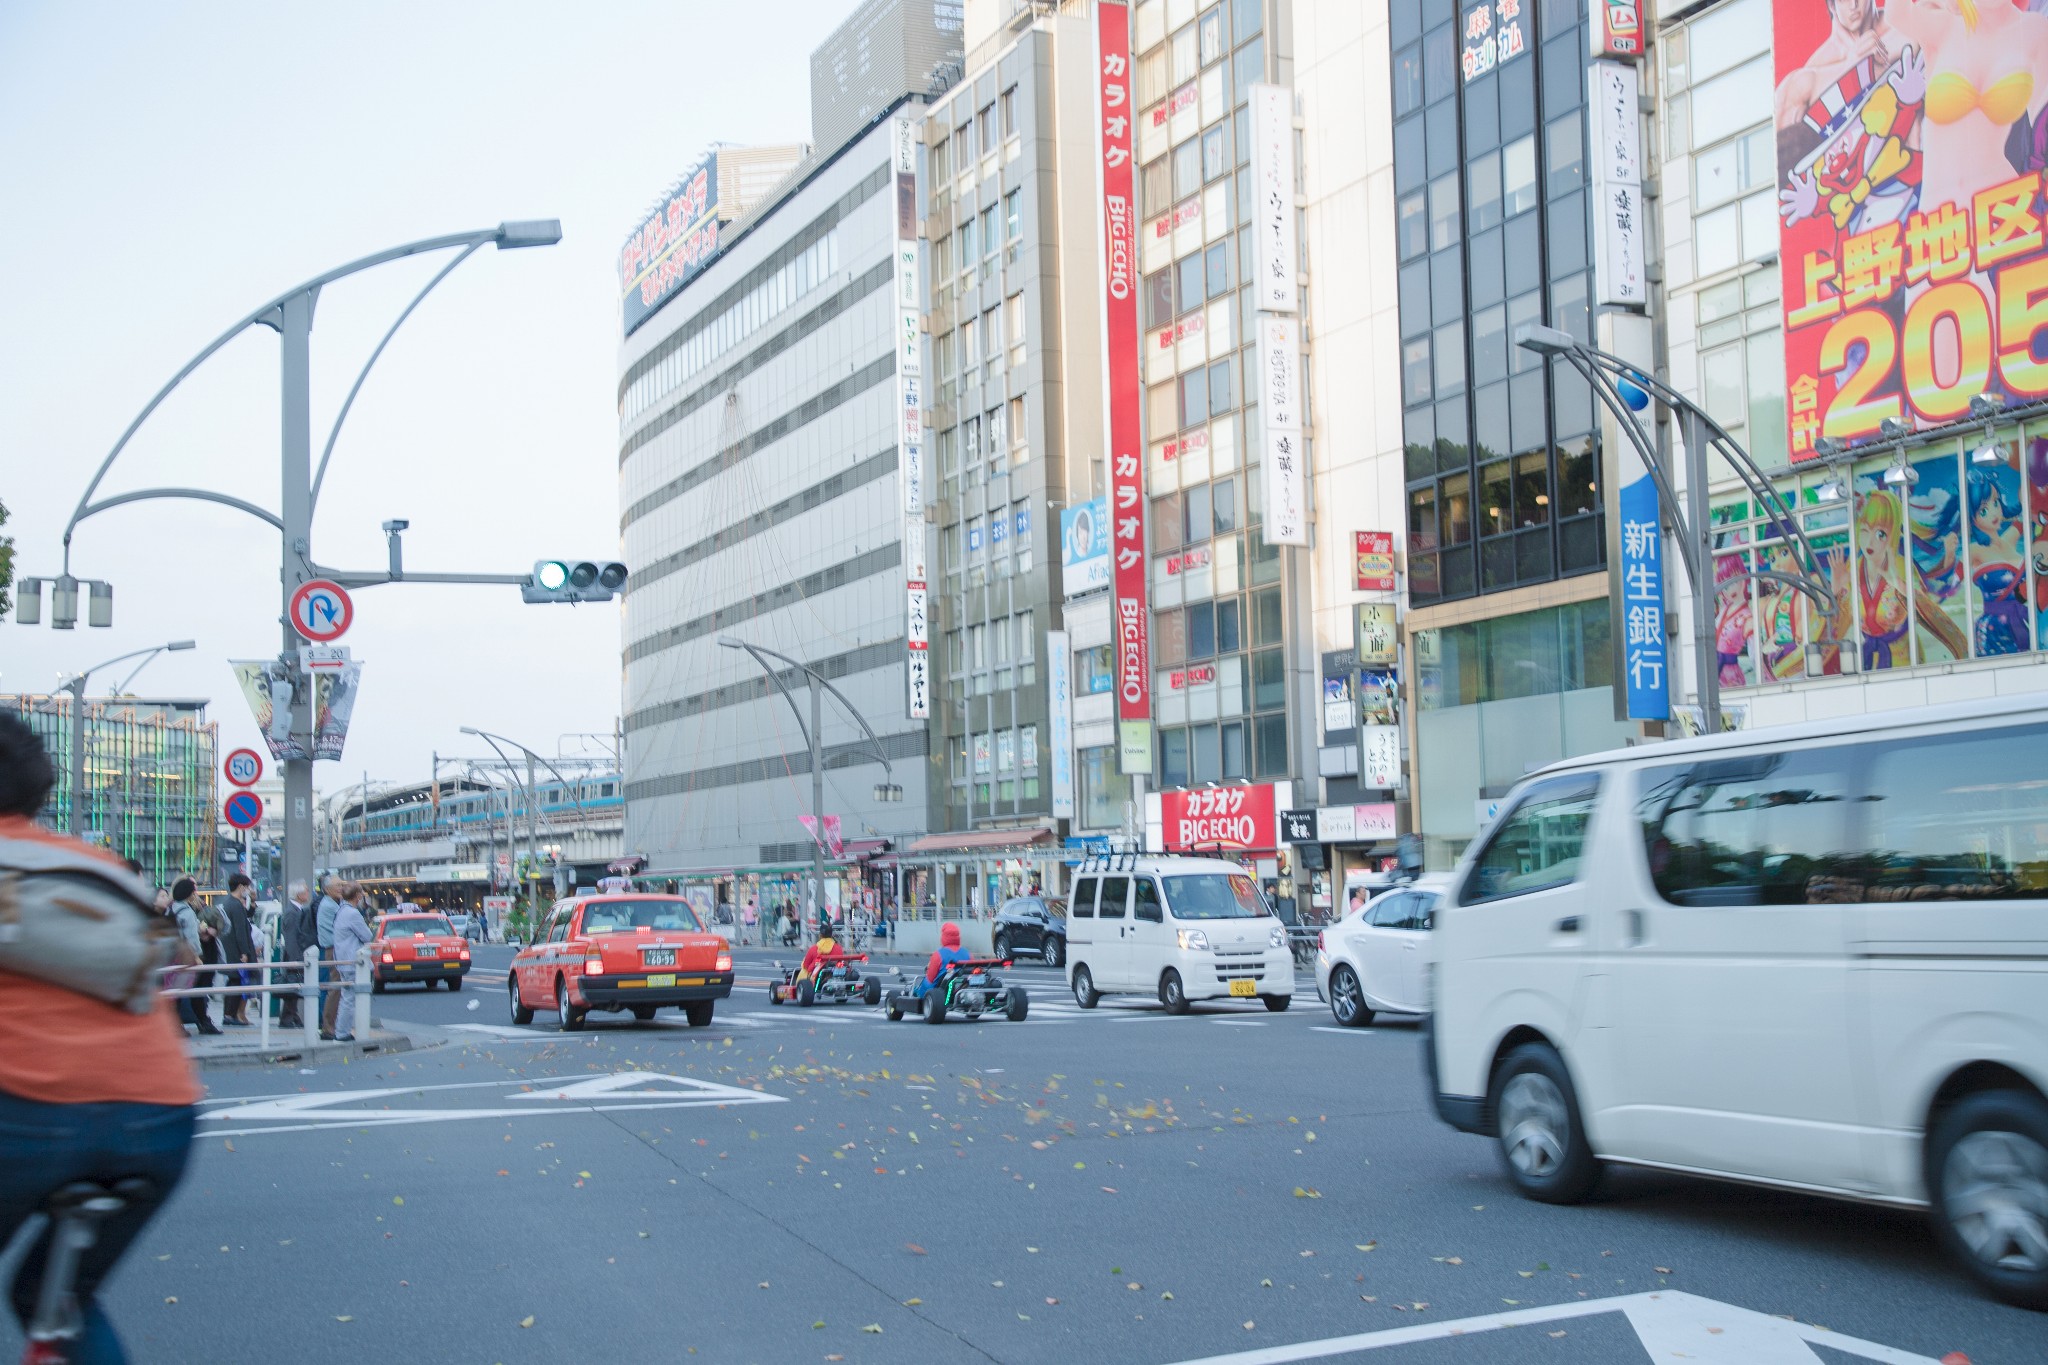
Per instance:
(1187,169)
(1104,791)
(1443,212)
(1173,758)
(1222,387)
(1155,185)
(1412,226)
(1115,898)
(1166,523)
(1159,298)
(1210,31)
(1483,180)
(1456,509)
(1266,616)
(1408,80)
(1489,345)
(1450,357)
(1013,215)
(1195,514)
(1960,816)
(1727,104)
(1229,634)
(1271,734)
(1225,499)
(1216,269)
(1496,491)
(1758,829)
(1215,153)
(1415,381)
(1269,680)
(1577,479)
(1170,645)
(1082,904)
(1201,629)
(1205,754)
(1194,398)
(1092,671)
(1009,106)
(1532,489)
(1190,272)
(1565,155)
(1536,846)
(1518,175)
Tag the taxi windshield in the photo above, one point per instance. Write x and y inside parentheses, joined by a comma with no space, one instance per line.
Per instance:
(610,917)
(416,926)
(1213,895)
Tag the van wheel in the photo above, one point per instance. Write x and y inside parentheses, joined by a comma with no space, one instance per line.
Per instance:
(1055,950)
(520,1013)
(1987,1174)
(1171,993)
(1277,1003)
(1542,1140)
(1347,999)
(1085,994)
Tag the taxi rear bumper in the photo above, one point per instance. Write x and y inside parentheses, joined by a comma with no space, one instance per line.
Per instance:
(634,988)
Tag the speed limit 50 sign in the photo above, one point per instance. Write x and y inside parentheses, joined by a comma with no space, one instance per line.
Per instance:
(243,767)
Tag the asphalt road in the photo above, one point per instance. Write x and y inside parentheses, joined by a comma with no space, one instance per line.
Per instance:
(1113,1185)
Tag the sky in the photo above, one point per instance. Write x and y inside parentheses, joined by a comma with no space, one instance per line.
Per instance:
(169,168)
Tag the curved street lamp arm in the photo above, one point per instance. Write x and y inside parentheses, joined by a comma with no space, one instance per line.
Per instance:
(320,474)
(80,676)
(532,795)
(874,740)
(311,286)
(200,494)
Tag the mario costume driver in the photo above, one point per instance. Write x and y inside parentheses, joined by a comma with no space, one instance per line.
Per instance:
(949,953)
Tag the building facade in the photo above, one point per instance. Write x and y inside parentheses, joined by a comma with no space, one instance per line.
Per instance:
(150,780)
(762,500)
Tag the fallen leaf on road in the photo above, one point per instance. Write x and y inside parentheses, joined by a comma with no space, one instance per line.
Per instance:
(1052,1300)
(1367,1246)
(764,1284)
(526,1321)
(1661,1269)
(398,1199)
(1955,1358)
(1300,1193)
(1454,1260)
(1557,1334)
(1167,1297)
(583,1175)
(230,1144)
(914,1249)
(1134,1285)
(167,1255)
(1265,1284)
(1249,1325)
(1032,1250)
(1109,1189)
(171,1298)
(345,1317)
(874,1327)
(1526,1274)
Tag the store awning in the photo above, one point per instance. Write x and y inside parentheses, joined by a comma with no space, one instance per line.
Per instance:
(978,841)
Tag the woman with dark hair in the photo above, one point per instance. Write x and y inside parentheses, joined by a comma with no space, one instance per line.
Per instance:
(89,1090)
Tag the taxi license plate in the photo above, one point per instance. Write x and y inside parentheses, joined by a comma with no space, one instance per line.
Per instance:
(658,957)
(658,981)
(425,950)
(1244,988)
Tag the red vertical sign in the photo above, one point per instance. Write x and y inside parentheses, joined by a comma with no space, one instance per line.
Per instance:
(1120,335)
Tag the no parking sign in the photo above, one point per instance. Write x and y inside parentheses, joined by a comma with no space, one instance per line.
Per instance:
(243,810)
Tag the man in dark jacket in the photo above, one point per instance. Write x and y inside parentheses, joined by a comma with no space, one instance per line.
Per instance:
(301,930)
(238,946)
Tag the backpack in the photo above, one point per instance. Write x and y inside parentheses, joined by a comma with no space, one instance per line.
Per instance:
(74,920)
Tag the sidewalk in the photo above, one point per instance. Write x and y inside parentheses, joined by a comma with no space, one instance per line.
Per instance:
(241,1047)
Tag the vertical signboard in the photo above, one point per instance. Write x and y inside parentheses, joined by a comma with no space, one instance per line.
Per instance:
(1618,227)
(1273,249)
(1912,257)
(1373,560)
(1059,683)
(910,428)
(1618,31)
(1284,478)
(1123,394)
(1379,756)
(1645,662)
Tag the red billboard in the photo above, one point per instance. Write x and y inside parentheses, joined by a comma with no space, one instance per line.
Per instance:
(1909,186)
(1124,395)
(1218,819)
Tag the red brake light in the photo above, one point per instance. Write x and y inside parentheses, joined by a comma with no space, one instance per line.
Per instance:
(724,962)
(387,957)
(593,966)
(465,954)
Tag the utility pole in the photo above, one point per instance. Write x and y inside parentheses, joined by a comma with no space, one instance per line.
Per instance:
(817,799)
(532,843)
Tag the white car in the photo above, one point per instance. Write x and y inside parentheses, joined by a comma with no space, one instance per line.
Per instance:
(1177,929)
(1375,958)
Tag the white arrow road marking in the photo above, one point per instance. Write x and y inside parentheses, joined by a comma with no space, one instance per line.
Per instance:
(1670,1324)
(608,1091)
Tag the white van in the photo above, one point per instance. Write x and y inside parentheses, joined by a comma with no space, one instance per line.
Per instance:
(1181,929)
(1812,957)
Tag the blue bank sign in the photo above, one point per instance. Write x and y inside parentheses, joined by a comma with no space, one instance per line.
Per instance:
(1645,652)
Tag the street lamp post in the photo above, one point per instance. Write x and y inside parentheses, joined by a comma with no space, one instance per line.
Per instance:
(532,791)
(1612,378)
(290,314)
(814,736)
(76,687)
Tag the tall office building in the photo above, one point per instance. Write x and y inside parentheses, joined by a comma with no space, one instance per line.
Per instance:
(761,475)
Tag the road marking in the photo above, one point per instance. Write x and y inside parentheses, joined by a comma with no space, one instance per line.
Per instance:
(1347,1032)
(605,1092)
(1670,1324)
(504,1031)
(1241,1023)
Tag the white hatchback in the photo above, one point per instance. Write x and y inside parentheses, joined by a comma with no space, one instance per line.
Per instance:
(1376,958)
(1178,929)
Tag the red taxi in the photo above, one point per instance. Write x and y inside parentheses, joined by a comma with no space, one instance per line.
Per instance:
(620,952)
(423,948)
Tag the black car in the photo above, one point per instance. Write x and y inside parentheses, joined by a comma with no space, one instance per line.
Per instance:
(1033,924)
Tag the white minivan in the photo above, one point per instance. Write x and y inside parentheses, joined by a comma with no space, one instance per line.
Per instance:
(1811,957)
(1180,929)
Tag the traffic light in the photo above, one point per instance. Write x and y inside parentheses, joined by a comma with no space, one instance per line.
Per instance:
(573,580)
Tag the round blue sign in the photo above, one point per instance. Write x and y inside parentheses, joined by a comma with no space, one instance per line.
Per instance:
(243,810)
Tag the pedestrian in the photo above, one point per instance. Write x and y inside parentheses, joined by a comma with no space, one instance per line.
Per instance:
(238,945)
(193,931)
(748,919)
(94,1082)
(351,936)
(301,929)
(163,901)
(323,921)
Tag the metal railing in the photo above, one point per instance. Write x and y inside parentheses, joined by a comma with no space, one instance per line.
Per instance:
(308,988)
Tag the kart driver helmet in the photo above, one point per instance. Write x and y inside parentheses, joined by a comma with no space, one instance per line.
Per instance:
(949,935)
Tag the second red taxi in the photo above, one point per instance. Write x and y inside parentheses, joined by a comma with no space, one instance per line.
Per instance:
(422,948)
(638,953)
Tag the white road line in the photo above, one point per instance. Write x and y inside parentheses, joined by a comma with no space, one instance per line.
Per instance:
(1348,1032)
(1241,1023)
(1666,1322)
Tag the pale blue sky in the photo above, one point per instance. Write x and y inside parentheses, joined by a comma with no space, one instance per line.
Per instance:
(166,168)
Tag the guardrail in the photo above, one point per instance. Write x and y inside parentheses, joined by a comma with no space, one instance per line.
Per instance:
(308,988)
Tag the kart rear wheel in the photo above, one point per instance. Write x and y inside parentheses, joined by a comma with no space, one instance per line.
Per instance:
(774,994)
(871,993)
(934,1008)
(804,993)
(1020,1004)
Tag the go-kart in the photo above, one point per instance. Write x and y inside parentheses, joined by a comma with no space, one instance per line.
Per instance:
(837,982)
(971,988)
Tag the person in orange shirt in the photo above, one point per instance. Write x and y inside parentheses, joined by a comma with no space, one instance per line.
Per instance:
(88,1091)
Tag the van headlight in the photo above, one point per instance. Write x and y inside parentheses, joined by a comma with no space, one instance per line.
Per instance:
(1194,940)
(1277,938)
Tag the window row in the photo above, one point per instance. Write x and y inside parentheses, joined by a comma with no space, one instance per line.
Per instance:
(1229,750)
(992,644)
(996,751)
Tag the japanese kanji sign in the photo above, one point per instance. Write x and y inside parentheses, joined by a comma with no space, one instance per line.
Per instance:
(1645,655)
(910,429)
(1284,466)
(1123,394)
(1273,249)
(1618,226)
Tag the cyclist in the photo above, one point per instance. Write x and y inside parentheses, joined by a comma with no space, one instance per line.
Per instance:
(89,1091)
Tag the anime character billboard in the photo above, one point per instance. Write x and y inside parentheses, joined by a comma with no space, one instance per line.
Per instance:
(1911,145)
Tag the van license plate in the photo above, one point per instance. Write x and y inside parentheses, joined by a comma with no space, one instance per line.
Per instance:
(1244,988)
(659,981)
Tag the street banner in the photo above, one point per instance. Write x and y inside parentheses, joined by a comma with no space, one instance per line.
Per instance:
(1912,259)
(334,698)
(334,701)
(1059,682)
(1123,396)
(834,842)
